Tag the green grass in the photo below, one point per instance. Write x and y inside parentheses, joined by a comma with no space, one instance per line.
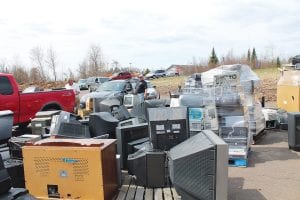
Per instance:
(267,73)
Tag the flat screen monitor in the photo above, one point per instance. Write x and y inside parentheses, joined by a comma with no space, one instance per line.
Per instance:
(198,167)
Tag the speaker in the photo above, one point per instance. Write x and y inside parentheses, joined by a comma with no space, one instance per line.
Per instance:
(148,168)
(5,181)
(103,123)
(294,130)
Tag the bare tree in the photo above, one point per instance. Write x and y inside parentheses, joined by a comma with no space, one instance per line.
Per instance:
(3,66)
(34,74)
(19,72)
(83,69)
(52,61)
(96,62)
(37,58)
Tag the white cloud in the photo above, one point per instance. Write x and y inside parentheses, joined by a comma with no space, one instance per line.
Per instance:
(148,33)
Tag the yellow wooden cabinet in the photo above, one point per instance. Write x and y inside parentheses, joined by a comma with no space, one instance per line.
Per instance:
(71,169)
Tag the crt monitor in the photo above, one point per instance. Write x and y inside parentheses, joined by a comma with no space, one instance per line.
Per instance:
(58,119)
(148,168)
(102,123)
(167,126)
(126,134)
(203,161)
(105,105)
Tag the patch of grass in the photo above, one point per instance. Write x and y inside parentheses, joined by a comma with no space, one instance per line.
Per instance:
(166,84)
(267,73)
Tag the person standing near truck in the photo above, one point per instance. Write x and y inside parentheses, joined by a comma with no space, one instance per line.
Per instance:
(73,86)
(141,89)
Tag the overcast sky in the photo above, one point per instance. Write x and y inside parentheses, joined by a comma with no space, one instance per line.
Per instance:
(153,34)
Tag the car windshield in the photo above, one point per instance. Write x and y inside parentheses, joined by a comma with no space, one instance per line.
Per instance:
(111,86)
(82,81)
(102,80)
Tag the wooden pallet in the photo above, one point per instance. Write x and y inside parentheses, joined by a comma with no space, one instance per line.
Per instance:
(129,190)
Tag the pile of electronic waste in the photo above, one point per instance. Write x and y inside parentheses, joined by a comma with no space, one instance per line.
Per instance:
(225,100)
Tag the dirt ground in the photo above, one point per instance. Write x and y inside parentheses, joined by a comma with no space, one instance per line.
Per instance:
(273,171)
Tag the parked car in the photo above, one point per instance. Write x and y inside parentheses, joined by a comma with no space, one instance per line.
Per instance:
(172,73)
(94,82)
(110,89)
(82,83)
(98,81)
(156,74)
(117,89)
(26,105)
(121,75)
(152,93)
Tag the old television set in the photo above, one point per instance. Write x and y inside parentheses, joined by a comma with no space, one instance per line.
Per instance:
(167,126)
(132,121)
(126,134)
(105,105)
(294,130)
(140,110)
(209,174)
(103,123)
(73,130)
(148,168)
(58,119)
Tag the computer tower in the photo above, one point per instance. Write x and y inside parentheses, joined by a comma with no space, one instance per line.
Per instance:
(71,169)
(294,130)
(103,123)
(6,121)
(5,180)
(15,170)
(198,167)
(167,126)
(126,134)
(148,168)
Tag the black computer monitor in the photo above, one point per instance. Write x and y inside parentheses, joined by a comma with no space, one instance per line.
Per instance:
(103,123)
(121,113)
(105,105)
(126,134)
(167,126)
(203,161)
(148,168)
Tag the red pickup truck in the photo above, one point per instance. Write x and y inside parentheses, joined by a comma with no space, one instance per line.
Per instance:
(26,105)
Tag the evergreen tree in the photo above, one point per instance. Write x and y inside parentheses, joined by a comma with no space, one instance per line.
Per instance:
(213,59)
(278,63)
(249,56)
(253,58)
